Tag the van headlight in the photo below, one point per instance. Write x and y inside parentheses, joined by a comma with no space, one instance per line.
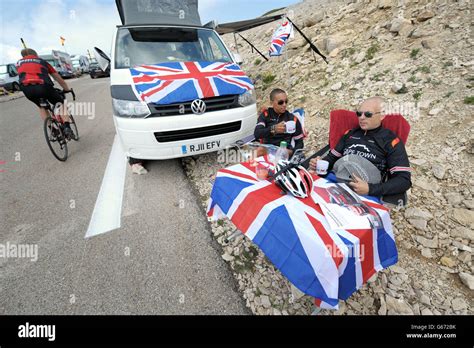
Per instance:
(248,98)
(128,108)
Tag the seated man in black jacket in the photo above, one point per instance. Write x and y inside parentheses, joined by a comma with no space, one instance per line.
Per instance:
(271,124)
(378,145)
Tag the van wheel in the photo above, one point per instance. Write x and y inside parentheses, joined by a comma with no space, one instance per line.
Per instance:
(15,87)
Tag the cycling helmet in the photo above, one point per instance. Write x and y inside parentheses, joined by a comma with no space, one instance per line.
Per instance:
(293,179)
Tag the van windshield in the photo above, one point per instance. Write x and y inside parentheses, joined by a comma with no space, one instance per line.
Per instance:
(138,46)
(3,69)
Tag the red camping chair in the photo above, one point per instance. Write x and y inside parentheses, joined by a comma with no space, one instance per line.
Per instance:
(342,120)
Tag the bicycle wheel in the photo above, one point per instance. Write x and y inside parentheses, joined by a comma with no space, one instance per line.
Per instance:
(74,128)
(55,138)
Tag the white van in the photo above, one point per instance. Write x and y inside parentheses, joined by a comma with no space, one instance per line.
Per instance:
(170,49)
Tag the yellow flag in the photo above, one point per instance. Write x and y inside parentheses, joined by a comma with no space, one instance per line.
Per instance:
(62,40)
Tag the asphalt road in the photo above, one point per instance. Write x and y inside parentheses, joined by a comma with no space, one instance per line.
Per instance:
(161,261)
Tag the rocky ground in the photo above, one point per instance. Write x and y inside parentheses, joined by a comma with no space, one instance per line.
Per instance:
(418,54)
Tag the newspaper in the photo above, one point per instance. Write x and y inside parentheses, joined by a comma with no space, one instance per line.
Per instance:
(343,208)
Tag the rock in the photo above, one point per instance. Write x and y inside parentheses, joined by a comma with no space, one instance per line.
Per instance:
(435,111)
(397,87)
(265,300)
(334,52)
(464,216)
(383,307)
(332,43)
(459,304)
(425,15)
(417,33)
(397,269)
(384,4)
(462,232)
(453,198)
(464,257)
(400,26)
(428,44)
(426,185)
(297,294)
(467,279)
(418,213)
(427,243)
(448,262)
(337,86)
(469,203)
(419,224)
(438,171)
(398,306)
(426,311)
(228,257)
(418,161)
(360,57)
(425,252)
(425,300)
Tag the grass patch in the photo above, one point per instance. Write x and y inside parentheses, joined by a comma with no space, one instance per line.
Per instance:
(371,51)
(302,99)
(272,11)
(258,61)
(268,78)
(447,64)
(412,79)
(414,53)
(424,69)
(403,90)
(417,95)
(447,95)
(469,100)
(377,77)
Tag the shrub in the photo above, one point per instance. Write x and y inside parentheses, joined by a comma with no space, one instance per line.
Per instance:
(371,51)
(414,52)
(469,100)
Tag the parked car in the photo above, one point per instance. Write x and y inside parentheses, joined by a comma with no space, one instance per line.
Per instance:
(61,61)
(96,71)
(9,77)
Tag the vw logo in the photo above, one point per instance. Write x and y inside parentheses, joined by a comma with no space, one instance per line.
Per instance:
(198,106)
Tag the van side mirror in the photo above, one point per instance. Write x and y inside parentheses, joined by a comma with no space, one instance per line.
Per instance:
(102,58)
(237,58)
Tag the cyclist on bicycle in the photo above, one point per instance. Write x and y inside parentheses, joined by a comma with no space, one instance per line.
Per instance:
(36,84)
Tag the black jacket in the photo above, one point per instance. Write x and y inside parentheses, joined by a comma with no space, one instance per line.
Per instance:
(383,149)
(269,118)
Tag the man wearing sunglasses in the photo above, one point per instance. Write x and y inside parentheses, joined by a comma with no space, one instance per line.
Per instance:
(379,146)
(273,125)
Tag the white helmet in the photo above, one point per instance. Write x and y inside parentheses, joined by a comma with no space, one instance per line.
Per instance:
(295,179)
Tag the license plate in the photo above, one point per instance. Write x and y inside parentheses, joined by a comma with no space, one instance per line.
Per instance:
(201,147)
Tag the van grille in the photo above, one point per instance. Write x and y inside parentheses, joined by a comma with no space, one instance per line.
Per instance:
(194,133)
(212,104)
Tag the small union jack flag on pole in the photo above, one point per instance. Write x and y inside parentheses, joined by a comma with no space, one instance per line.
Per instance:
(176,82)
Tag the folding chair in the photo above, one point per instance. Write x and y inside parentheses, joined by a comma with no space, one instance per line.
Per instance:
(342,120)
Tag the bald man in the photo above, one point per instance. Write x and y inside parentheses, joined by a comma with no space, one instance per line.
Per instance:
(378,145)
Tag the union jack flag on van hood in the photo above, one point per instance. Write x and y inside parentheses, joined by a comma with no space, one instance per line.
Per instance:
(176,82)
(296,237)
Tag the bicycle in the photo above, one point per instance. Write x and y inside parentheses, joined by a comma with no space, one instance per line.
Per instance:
(54,128)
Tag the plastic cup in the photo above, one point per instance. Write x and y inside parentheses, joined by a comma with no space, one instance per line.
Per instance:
(322,167)
(290,127)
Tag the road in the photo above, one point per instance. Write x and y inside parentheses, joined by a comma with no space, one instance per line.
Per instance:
(162,260)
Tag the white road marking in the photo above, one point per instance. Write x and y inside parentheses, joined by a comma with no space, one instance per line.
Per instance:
(108,207)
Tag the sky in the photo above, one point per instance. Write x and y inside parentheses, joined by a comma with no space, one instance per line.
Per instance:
(88,23)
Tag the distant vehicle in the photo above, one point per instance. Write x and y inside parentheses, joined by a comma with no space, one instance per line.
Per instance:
(9,77)
(80,63)
(61,61)
(96,71)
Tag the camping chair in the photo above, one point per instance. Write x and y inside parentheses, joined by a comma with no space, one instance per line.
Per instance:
(342,120)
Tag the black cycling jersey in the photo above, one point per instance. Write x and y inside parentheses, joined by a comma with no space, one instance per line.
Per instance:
(269,118)
(383,149)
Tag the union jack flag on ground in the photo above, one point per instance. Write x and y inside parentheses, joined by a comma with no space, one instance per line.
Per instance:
(177,82)
(279,39)
(293,233)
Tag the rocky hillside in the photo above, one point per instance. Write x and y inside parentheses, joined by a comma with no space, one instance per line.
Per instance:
(419,55)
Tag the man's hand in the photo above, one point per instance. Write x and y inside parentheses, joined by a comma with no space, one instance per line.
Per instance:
(313,162)
(359,186)
(280,128)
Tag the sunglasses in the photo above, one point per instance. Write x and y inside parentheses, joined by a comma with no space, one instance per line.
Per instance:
(281,102)
(367,114)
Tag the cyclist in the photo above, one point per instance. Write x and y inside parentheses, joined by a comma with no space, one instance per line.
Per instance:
(36,84)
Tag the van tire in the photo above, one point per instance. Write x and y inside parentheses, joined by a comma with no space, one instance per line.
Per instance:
(15,87)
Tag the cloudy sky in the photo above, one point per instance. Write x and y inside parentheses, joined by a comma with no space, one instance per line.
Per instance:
(89,23)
